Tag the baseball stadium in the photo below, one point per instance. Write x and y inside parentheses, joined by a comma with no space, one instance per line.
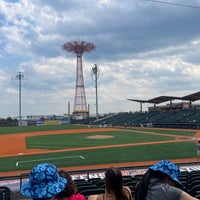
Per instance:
(87,147)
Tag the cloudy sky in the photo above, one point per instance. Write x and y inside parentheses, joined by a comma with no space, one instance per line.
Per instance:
(144,49)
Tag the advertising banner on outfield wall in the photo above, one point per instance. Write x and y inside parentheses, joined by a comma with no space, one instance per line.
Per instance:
(65,122)
(52,122)
(39,123)
(22,123)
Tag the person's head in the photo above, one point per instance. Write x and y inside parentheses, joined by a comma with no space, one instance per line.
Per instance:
(113,177)
(169,169)
(70,188)
(44,182)
(163,171)
(114,183)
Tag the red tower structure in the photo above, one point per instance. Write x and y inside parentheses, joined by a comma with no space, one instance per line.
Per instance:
(80,110)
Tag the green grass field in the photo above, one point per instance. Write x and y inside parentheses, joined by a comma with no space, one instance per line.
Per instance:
(186,149)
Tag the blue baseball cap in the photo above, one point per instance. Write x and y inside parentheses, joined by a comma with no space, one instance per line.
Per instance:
(44,182)
(168,168)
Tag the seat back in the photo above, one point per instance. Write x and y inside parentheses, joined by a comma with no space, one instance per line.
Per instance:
(4,193)
(88,192)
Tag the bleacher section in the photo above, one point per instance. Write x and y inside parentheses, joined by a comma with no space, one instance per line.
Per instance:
(190,181)
(189,119)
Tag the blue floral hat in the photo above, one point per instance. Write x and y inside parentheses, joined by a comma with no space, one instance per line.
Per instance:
(168,168)
(44,182)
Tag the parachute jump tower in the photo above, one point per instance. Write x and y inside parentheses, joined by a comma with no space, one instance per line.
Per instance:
(80,110)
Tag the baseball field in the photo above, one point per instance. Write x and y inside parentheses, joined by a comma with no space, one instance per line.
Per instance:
(76,147)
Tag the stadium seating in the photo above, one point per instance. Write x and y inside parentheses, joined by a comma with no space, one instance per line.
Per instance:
(194,190)
(92,191)
(190,180)
(86,187)
(188,119)
(4,193)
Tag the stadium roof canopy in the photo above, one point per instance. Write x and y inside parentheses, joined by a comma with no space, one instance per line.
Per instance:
(139,101)
(161,99)
(157,100)
(192,97)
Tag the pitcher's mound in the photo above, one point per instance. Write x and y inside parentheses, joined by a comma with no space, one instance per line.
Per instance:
(100,136)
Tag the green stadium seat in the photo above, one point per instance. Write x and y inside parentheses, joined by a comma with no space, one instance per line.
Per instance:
(4,193)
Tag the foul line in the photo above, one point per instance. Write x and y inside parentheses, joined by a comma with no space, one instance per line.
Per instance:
(26,161)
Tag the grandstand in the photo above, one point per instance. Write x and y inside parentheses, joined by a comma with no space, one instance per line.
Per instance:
(183,114)
(187,119)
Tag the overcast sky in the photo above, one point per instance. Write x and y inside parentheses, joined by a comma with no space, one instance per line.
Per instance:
(144,49)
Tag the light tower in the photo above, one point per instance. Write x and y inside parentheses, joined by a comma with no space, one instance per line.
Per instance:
(95,73)
(80,110)
(19,76)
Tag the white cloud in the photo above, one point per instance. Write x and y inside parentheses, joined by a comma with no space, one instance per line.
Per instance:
(143,50)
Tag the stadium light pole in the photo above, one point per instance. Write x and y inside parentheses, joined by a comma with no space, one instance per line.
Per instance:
(19,76)
(95,72)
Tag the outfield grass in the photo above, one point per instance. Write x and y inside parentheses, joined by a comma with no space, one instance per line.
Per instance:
(99,156)
(167,131)
(23,129)
(102,156)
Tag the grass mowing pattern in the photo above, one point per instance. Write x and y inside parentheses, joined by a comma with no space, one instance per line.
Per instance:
(62,141)
(103,156)
(167,131)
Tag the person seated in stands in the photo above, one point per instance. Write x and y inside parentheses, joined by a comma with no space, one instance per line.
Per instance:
(44,183)
(114,188)
(198,150)
(161,181)
(70,191)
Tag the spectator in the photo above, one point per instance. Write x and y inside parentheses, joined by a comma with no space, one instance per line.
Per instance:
(161,181)
(44,182)
(70,192)
(114,189)
(198,150)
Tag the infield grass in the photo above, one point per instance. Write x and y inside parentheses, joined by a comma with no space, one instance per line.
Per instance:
(60,141)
